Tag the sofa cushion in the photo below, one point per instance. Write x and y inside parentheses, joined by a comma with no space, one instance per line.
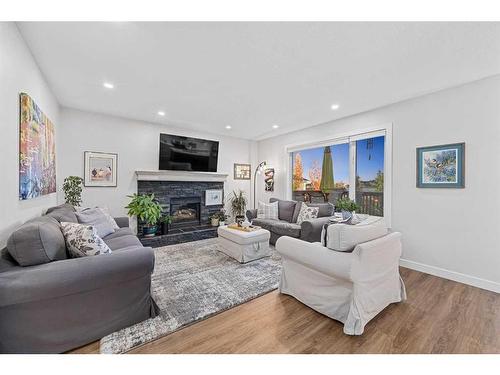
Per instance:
(126,231)
(82,240)
(284,228)
(265,223)
(64,212)
(286,209)
(96,218)
(122,242)
(345,237)
(37,241)
(325,209)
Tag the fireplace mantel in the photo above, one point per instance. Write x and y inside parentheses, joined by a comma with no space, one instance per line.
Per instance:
(180,176)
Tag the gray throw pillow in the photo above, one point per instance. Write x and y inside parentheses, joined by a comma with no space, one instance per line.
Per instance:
(96,218)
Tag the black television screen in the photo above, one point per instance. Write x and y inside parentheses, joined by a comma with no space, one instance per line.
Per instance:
(188,154)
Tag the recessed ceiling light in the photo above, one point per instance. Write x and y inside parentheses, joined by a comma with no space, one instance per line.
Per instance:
(161,113)
(335,107)
(228,126)
(275,126)
(108,85)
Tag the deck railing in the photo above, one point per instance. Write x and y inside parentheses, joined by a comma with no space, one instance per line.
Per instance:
(370,202)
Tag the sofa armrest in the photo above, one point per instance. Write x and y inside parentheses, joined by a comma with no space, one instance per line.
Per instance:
(310,230)
(251,214)
(72,276)
(122,222)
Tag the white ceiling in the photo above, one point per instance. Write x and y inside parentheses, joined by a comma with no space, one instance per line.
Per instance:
(253,75)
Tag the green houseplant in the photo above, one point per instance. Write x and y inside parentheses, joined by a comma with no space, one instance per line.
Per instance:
(72,188)
(345,204)
(147,209)
(238,203)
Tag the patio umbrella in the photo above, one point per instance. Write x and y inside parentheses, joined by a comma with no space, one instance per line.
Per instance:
(327,184)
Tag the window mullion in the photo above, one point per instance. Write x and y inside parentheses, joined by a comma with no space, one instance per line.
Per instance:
(352,170)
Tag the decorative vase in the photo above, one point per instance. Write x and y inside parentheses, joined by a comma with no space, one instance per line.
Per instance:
(240,219)
(149,230)
(215,222)
(164,228)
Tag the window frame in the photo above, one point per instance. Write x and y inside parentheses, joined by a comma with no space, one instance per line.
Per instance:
(351,138)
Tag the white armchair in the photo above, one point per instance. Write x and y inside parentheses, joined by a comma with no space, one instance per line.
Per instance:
(351,287)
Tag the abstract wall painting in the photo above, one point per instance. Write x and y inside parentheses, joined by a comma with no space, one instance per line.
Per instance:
(441,166)
(37,151)
(100,169)
(269,179)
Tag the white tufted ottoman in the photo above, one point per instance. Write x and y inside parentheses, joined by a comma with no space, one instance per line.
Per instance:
(244,246)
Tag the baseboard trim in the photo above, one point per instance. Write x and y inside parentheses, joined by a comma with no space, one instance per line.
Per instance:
(451,275)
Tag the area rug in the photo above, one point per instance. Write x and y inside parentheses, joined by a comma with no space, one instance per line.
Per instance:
(191,282)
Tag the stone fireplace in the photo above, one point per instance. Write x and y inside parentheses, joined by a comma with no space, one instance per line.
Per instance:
(185,202)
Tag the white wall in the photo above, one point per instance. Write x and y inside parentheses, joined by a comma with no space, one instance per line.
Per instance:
(137,146)
(19,73)
(454,233)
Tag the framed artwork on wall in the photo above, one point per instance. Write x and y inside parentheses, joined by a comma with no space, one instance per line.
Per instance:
(100,169)
(269,179)
(242,171)
(37,151)
(213,197)
(441,166)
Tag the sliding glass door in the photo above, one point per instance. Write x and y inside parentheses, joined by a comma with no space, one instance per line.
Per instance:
(351,167)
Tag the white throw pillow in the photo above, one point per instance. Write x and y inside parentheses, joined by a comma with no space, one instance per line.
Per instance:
(82,240)
(267,211)
(345,237)
(307,213)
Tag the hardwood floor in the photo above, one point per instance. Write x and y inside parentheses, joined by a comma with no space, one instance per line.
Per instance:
(440,316)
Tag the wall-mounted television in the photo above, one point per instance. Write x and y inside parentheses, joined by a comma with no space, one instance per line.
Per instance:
(188,154)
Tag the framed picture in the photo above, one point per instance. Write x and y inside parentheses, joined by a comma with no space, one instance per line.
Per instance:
(100,169)
(242,171)
(37,151)
(213,197)
(441,166)
(269,179)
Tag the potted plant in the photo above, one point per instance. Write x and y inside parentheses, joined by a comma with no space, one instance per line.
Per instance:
(72,188)
(345,204)
(165,222)
(214,219)
(238,203)
(147,209)
(222,217)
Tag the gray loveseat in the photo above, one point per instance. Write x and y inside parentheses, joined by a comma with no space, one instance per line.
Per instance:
(50,303)
(288,211)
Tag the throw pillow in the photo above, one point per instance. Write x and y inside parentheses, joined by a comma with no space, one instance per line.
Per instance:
(82,240)
(112,221)
(96,218)
(307,213)
(267,211)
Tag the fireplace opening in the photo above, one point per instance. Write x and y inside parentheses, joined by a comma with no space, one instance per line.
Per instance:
(185,211)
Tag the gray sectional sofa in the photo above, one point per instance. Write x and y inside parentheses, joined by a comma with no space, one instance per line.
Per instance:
(50,303)
(288,211)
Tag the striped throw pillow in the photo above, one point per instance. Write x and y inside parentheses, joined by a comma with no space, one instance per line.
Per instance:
(267,211)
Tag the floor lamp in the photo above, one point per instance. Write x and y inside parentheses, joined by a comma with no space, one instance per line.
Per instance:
(259,169)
